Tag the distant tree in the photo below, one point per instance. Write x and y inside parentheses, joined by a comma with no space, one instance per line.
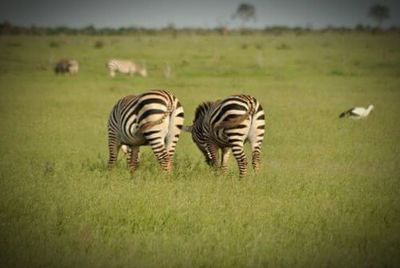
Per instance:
(90,29)
(379,13)
(245,12)
(222,27)
(6,27)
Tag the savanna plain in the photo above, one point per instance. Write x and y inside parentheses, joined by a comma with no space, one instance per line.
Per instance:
(327,194)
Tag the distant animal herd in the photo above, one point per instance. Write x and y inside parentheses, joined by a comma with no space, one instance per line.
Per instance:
(71,66)
(155,118)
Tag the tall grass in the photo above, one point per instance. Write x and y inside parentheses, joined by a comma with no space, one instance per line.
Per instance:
(327,194)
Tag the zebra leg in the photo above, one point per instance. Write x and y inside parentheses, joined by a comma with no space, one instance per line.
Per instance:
(256,137)
(256,156)
(133,157)
(174,131)
(224,158)
(113,148)
(170,147)
(156,137)
(162,156)
(126,149)
(161,153)
(238,153)
(213,150)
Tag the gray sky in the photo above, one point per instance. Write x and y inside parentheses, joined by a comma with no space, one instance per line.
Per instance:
(197,13)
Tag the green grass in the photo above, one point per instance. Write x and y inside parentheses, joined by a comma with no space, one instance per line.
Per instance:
(327,194)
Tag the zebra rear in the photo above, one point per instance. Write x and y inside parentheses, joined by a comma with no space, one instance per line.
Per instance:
(154,118)
(228,124)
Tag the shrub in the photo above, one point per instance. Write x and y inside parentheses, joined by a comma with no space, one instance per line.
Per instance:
(14,44)
(54,44)
(283,46)
(337,72)
(98,44)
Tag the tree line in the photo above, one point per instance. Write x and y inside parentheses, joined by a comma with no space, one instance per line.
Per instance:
(6,28)
(244,12)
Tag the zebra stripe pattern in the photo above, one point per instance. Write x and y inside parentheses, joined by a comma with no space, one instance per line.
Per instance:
(125,67)
(154,118)
(228,124)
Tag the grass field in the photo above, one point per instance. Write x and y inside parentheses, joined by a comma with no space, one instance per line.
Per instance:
(327,195)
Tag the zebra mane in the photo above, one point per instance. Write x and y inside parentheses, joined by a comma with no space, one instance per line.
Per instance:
(202,109)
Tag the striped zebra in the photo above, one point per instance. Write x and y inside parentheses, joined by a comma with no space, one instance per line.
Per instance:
(153,118)
(125,67)
(227,124)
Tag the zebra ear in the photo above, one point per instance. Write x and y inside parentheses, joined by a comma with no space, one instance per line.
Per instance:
(187,128)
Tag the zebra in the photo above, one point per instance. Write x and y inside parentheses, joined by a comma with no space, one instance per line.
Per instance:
(125,67)
(228,124)
(66,66)
(73,67)
(153,118)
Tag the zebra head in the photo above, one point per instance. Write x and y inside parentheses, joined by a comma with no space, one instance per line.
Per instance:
(199,131)
(200,141)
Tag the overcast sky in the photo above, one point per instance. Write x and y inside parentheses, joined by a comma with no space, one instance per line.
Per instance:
(191,13)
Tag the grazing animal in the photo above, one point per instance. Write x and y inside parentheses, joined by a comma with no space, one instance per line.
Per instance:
(62,66)
(66,66)
(357,112)
(125,67)
(73,67)
(153,118)
(227,124)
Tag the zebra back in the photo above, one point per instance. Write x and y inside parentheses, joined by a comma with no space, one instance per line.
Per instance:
(232,111)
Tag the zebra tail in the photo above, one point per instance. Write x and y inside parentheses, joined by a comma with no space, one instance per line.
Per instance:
(187,128)
(342,115)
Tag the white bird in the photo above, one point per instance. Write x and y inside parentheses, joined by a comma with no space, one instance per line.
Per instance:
(357,112)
